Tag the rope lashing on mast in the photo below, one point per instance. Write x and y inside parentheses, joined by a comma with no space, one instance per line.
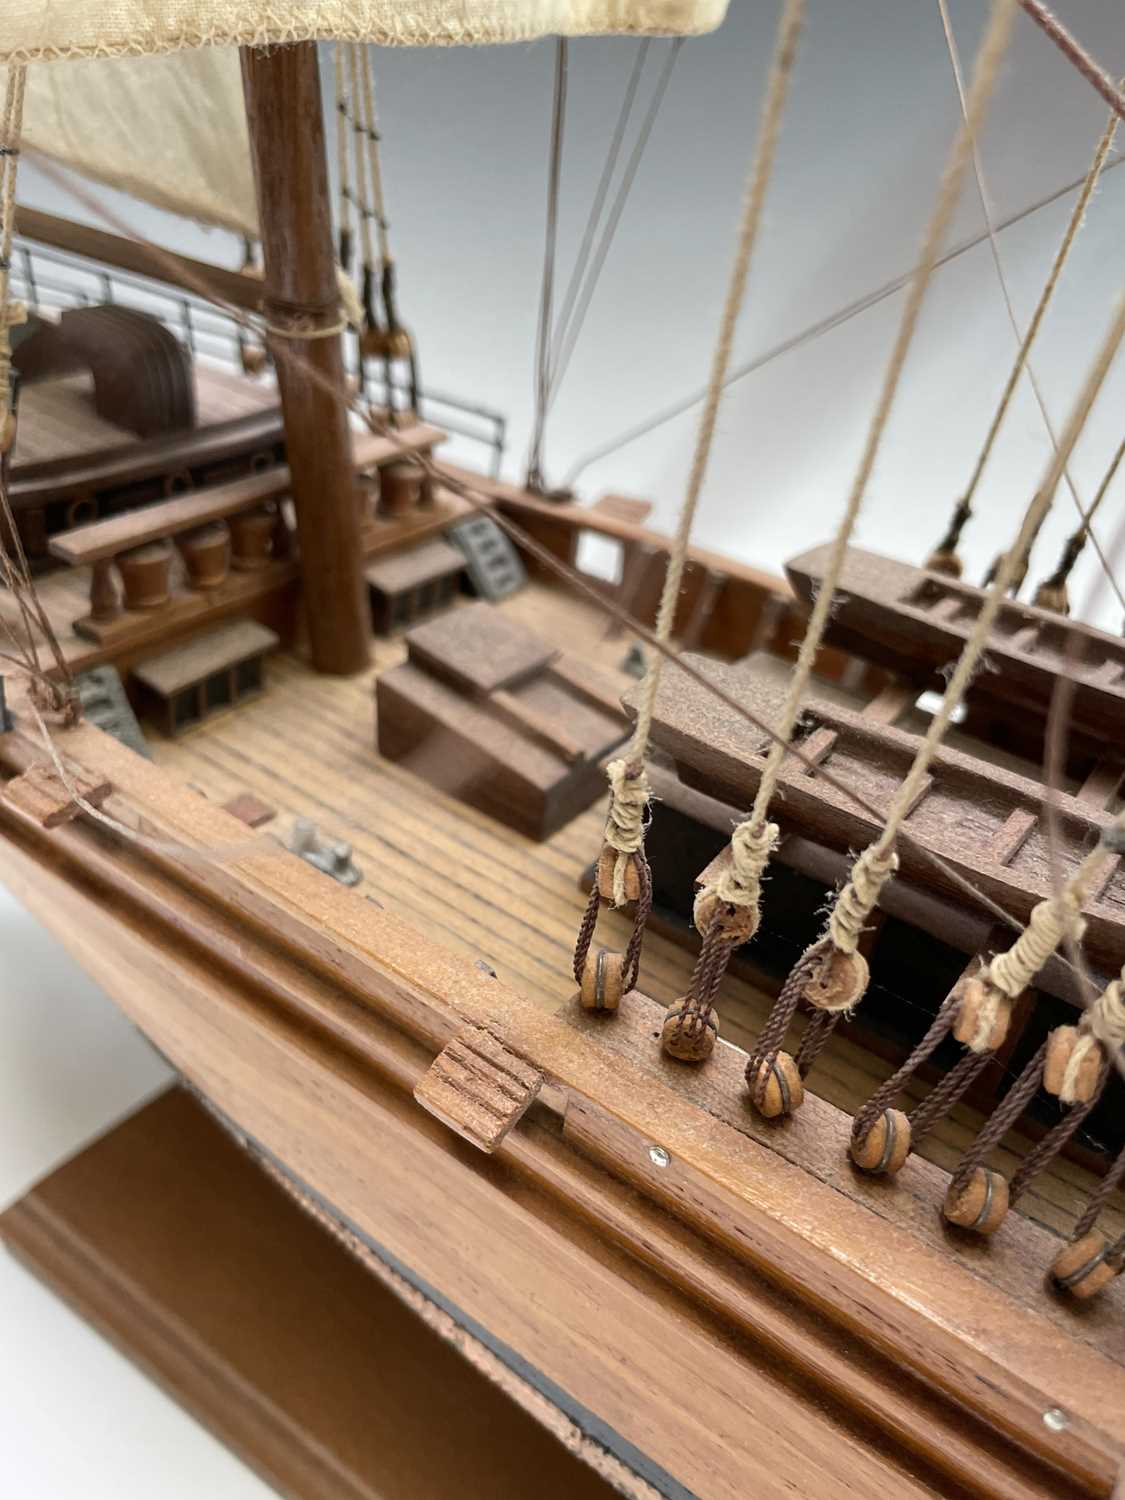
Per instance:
(945,558)
(832,974)
(727,912)
(1052,593)
(623,859)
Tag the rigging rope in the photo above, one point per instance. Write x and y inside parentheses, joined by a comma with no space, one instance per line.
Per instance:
(374,159)
(812,332)
(567,332)
(613,152)
(623,855)
(363,205)
(1073,50)
(944,557)
(534,479)
(10,312)
(727,910)
(343,162)
(1052,592)
(981,1005)
(54,696)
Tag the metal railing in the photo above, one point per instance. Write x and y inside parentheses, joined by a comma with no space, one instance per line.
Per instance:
(51,281)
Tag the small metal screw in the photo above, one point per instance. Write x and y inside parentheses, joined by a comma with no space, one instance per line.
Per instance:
(1055,1419)
(658,1156)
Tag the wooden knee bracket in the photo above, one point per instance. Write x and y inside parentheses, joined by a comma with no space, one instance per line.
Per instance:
(479,1087)
(40,793)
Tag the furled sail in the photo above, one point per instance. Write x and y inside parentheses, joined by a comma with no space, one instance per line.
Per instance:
(168,130)
(31,30)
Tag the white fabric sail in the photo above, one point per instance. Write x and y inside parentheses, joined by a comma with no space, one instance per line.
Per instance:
(168,130)
(32,30)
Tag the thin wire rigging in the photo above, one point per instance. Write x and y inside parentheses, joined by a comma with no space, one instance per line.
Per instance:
(601,192)
(566,344)
(547,281)
(814,331)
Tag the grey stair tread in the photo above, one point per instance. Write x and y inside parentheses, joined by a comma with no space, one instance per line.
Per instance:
(494,566)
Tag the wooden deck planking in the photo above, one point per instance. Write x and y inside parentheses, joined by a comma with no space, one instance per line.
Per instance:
(307,747)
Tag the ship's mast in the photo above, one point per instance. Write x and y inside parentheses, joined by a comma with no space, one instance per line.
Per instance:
(283,111)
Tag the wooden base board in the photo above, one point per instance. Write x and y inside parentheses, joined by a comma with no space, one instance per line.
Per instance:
(182,1251)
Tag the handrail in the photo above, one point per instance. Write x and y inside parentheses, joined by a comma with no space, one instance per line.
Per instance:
(234,287)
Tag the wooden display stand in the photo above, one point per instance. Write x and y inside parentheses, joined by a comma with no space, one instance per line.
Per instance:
(197,1265)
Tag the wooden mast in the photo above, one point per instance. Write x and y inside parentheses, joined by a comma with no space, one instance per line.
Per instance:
(283,111)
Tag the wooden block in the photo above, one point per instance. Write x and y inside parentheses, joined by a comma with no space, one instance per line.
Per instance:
(537,726)
(462,745)
(250,810)
(889,705)
(1010,839)
(478,1087)
(479,649)
(488,712)
(1101,785)
(41,794)
(817,747)
(627,508)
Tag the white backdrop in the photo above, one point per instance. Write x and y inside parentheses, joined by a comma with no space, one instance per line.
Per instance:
(871,116)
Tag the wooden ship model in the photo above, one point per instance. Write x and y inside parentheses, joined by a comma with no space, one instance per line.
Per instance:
(459,1000)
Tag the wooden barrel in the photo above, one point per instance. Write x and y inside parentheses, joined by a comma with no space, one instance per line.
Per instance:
(146,575)
(400,488)
(206,554)
(252,539)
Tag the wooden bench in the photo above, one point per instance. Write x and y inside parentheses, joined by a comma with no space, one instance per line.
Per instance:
(206,674)
(413,583)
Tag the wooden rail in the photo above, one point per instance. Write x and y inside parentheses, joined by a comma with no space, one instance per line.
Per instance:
(726,608)
(233,287)
(104,539)
(235,542)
